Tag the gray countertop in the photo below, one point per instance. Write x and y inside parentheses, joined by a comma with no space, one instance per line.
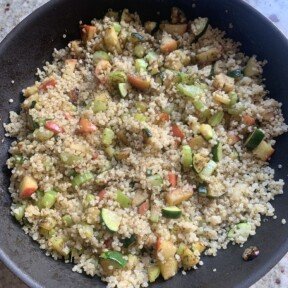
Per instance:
(13,11)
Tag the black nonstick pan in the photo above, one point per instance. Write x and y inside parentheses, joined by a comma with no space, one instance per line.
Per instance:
(31,43)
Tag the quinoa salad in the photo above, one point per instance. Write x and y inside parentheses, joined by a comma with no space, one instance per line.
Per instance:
(143,147)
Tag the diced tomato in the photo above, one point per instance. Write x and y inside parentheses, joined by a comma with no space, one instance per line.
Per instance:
(49,83)
(177,132)
(88,32)
(143,208)
(102,194)
(172,177)
(27,187)
(248,120)
(86,126)
(54,127)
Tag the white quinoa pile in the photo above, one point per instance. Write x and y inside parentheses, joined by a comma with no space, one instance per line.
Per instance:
(142,147)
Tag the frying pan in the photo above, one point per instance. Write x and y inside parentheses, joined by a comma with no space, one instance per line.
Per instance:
(31,43)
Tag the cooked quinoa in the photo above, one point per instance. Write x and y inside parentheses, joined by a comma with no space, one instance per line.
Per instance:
(140,149)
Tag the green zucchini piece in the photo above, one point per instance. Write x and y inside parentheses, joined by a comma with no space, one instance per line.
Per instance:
(140,65)
(217,152)
(263,151)
(192,91)
(123,200)
(206,131)
(155,180)
(233,98)
(19,211)
(240,230)
(153,273)
(117,27)
(216,119)
(110,219)
(82,178)
(236,74)
(139,51)
(200,27)
(122,87)
(100,55)
(202,190)
(171,212)
(199,162)
(114,256)
(208,169)
(254,139)
(108,136)
(127,242)
(186,157)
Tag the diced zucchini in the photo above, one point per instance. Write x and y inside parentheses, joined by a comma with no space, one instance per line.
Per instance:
(199,162)
(155,180)
(151,57)
(189,259)
(208,169)
(86,231)
(252,68)
(69,159)
(140,117)
(198,246)
(127,242)
(197,142)
(199,105)
(263,151)
(122,87)
(100,103)
(186,157)
(169,268)
(100,55)
(117,77)
(141,106)
(236,109)
(42,134)
(123,200)
(67,219)
(233,98)
(206,131)
(139,51)
(165,249)
(82,178)
(117,27)
(58,244)
(177,196)
(108,136)
(136,37)
(174,29)
(216,119)
(114,257)
(239,230)
(153,272)
(191,91)
(202,190)
(217,152)
(19,211)
(111,40)
(47,200)
(199,27)
(254,139)
(236,74)
(140,65)
(171,212)
(111,219)
(208,56)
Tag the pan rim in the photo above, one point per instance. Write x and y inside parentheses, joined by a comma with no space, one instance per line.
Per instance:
(32,282)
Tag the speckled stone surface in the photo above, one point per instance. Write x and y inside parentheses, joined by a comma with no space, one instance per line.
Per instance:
(13,11)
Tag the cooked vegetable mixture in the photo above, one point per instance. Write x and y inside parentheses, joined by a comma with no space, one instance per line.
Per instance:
(142,148)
